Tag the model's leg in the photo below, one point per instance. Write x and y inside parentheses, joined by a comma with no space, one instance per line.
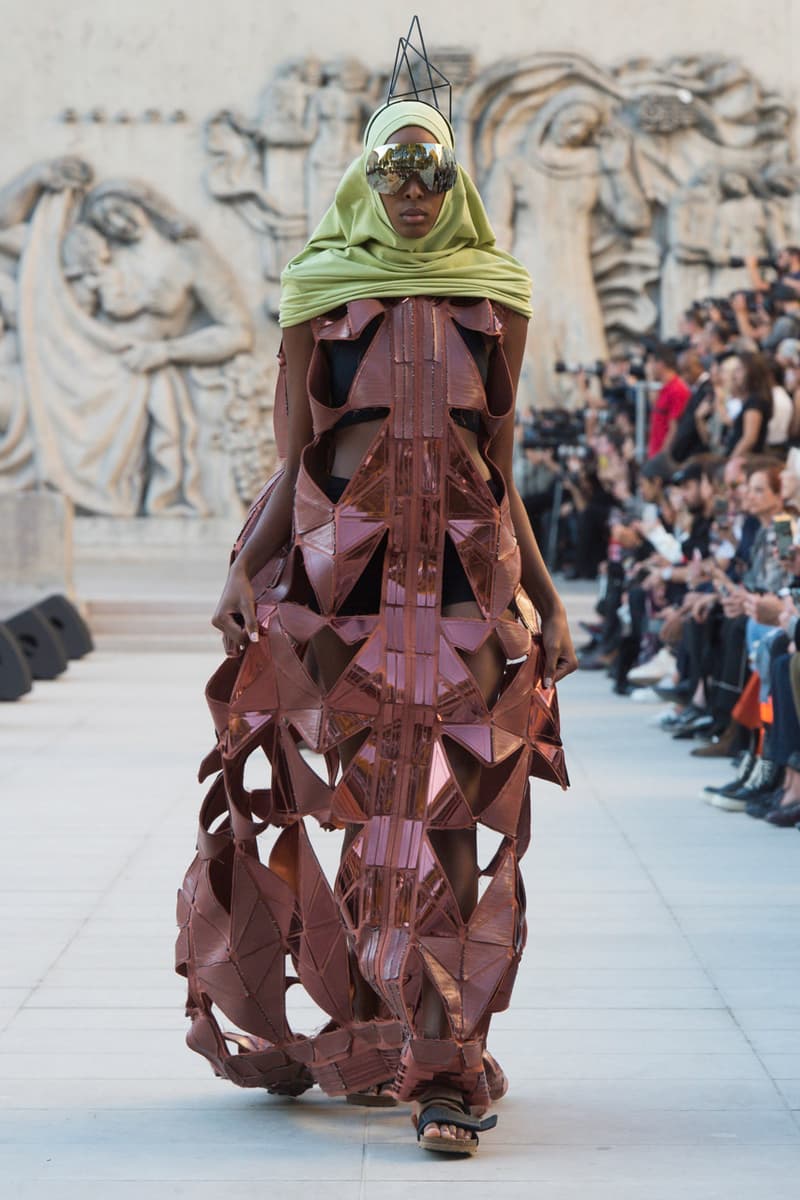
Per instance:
(327,658)
(456,849)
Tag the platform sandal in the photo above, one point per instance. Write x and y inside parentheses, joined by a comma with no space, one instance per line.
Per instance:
(449,1110)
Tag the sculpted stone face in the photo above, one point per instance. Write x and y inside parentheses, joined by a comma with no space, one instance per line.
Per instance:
(119,218)
(575,125)
(735,185)
(413,210)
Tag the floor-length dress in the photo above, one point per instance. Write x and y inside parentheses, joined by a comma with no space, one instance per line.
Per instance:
(410,697)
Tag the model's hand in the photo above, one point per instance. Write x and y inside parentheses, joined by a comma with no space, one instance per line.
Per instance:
(560,658)
(237,600)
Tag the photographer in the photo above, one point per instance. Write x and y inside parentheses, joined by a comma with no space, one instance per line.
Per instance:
(536,483)
(786,267)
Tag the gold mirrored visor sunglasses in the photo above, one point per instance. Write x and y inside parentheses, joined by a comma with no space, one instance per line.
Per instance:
(389,166)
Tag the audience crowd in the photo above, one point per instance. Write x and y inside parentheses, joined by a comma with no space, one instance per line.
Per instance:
(674,480)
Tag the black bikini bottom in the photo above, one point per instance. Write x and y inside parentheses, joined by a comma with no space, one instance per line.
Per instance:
(366,594)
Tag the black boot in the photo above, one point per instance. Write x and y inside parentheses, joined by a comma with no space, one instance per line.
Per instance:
(746,764)
(764,778)
(760,805)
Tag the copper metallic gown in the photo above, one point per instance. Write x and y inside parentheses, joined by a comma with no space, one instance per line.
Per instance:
(409,696)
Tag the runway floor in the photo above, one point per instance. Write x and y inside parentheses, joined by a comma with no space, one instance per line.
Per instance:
(653,1044)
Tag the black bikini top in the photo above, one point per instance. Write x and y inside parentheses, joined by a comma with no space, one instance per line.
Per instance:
(344,358)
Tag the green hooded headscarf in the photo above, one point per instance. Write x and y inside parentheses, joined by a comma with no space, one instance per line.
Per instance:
(355,253)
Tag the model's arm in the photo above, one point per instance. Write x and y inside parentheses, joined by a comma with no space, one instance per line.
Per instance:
(274,526)
(560,658)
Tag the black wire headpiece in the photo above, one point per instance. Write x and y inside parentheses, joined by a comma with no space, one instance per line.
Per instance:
(427,80)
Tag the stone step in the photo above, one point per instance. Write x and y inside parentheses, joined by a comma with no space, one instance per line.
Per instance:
(161,643)
(138,624)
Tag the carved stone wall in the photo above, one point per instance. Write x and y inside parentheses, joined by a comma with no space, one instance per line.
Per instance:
(176,168)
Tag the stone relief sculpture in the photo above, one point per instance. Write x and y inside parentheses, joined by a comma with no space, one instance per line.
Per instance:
(686,272)
(136,378)
(337,113)
(625,192)
(244,389)
(262,176)
(657,126)
(781,182)
(573,160)
(740,229)
(18,199)
(118,295)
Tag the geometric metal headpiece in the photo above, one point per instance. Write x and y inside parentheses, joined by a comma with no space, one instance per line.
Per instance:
(425,79)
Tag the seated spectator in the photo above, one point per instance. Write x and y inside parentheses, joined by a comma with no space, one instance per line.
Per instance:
(790,483)
(698,583)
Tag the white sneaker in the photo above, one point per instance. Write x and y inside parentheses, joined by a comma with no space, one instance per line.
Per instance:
(645,695)
(729,803)
(654,669)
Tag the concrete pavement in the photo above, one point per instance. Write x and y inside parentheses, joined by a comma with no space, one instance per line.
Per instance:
(654,1040)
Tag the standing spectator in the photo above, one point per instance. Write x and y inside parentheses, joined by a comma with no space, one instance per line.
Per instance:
(687,440)
(780,424)
(788,359)
(748,431)
(670,402)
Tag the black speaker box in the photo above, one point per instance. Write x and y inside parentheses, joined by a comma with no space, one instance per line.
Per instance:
(68,624)
(15,674)
(39,641)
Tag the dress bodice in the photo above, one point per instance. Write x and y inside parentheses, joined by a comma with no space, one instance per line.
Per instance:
(422,344)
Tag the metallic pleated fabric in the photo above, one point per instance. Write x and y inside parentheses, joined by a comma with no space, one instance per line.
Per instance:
(250,929)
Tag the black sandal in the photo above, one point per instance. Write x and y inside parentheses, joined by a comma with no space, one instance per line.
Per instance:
(442,1110)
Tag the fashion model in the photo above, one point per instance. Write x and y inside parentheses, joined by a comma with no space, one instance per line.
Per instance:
(387,609)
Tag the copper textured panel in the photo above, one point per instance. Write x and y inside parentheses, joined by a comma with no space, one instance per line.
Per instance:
(249,929)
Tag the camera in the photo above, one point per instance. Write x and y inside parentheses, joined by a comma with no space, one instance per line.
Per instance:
(736,261)
(555,429)
(595,368)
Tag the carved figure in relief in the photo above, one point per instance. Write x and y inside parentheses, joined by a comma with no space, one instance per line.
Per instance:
(110,321)
(740,229)
(686,272)
(284,110)
(18,199)
(243,390)
(573,161)
(260,169)
(338,110)
(782,205)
